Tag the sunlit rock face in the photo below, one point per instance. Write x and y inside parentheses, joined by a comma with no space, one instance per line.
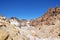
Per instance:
(48,24)
(15,21)
(46,27)
(2,17)
(10,31)
(47,18)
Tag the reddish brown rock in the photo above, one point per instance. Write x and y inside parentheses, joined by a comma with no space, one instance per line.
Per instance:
(47,18)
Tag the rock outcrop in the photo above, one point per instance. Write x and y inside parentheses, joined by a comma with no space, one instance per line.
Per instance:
(47,18)
(46,26)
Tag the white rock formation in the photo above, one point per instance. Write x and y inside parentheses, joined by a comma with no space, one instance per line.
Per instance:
(15,22)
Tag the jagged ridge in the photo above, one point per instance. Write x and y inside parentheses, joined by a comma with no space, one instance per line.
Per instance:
(47,26)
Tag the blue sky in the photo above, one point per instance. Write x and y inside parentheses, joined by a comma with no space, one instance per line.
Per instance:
(26,9)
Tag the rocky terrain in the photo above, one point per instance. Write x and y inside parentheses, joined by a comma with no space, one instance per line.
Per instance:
(46,27)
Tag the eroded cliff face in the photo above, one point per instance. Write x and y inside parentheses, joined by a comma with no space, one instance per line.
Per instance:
(51,15)
(48,22)
(46,26)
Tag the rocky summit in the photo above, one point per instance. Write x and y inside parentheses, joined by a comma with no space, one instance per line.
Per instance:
(44,27)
